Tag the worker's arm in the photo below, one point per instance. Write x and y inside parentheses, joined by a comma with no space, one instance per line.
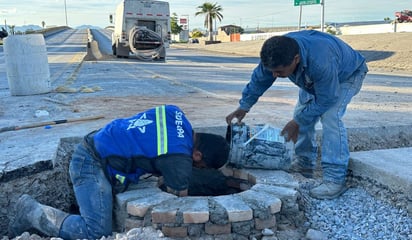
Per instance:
(176,170)
(260,81)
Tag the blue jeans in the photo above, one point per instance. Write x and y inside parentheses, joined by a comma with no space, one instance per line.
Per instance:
(93,194)
(335,149)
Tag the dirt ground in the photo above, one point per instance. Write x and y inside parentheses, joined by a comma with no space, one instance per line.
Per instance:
(384,52)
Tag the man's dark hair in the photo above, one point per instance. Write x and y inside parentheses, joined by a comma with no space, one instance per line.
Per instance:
(278,51)
(214,149)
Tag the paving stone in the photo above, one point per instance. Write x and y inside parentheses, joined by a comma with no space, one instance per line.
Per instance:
(288,196)
(174,232)
(214,229)
(131,223)
(274,177)
(140,206)
(262,199)
(195,210)
(123,198)
(379,166)
(237,210)
(265,223)
(241,174)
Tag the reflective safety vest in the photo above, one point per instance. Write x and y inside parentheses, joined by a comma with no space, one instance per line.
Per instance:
(155,132)
(150,134)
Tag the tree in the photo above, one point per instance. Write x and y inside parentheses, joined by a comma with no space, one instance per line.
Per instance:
(196,34)
(11,28)
(175,28)
(211,12)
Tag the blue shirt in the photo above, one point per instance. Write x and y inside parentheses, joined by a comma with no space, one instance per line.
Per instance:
(155,132)
(325,62)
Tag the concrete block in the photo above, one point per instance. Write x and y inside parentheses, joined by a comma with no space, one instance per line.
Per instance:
(287,195)
(262,199)
(241,174)
(175,232)
(214,229)
(274,177)
(123,198)
(131,223)
(389,167)
(140,206)
(195,210)
(167,211)
(265,223)
(237,210)
(227,171)
(164,215)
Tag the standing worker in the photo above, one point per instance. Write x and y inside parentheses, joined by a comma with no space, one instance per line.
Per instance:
(329,73)
(160,141)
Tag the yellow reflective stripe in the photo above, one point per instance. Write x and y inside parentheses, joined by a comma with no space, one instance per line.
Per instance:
(120,178)
(161,129)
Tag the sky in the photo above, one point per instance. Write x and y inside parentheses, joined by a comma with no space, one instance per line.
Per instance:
(244,13)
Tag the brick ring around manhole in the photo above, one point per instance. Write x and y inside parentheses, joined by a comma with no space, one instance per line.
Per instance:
(273,196)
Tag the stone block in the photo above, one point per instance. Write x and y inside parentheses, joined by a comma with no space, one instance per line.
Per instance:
(164,216)
(265,223)
(175,232)
(131,223)
(214,229)
(274,177)
(241,174)
(262,200)
(123,198)
(237,210)
(227,171)
(288,196)
(140,206)
(195,210)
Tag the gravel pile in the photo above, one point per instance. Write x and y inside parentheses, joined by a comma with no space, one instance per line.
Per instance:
(356,215)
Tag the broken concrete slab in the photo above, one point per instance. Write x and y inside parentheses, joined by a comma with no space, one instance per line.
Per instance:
(389,167)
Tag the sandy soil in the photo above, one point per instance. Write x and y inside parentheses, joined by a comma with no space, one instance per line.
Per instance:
(385,52)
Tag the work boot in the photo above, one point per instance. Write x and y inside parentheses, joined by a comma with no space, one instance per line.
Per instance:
(328,190)
(31,214)
(295,167)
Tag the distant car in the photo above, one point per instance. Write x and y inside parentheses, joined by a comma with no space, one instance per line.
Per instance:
(193,40)
(3,33)
(404,16)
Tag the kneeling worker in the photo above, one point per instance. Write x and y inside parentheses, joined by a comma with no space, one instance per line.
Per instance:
(160,141)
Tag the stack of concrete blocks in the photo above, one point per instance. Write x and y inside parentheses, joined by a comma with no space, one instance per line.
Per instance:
(272,198)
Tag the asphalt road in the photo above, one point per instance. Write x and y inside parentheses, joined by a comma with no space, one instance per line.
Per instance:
(384,99)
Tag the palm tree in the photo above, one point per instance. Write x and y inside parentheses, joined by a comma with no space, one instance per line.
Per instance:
(211,12)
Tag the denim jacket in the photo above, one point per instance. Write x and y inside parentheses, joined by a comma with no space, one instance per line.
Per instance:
(325,63)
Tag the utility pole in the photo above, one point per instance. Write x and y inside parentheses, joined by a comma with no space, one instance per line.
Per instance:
(322,18)
(65,12)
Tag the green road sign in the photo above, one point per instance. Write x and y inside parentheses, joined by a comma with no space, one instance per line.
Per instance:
(306,2)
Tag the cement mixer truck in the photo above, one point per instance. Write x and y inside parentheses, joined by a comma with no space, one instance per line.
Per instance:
(142,29)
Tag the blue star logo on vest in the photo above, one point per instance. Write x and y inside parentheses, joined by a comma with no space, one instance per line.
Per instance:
(140,123)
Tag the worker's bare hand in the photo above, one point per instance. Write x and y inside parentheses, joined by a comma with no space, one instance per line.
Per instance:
(291,131)
(238,113)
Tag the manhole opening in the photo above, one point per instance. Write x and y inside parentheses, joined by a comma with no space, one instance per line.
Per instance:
(213,182)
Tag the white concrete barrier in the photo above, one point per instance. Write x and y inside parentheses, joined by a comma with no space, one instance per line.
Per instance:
(27,65)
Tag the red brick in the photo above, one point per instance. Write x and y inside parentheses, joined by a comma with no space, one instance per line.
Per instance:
(265,223)
(131,223)
(241,174)
(164,217)
(178,232)
(213,229)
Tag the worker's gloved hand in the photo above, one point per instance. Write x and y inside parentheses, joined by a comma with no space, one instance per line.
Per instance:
(238,113)
(291,131)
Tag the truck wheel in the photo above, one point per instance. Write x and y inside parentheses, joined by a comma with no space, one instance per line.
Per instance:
(114,50)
